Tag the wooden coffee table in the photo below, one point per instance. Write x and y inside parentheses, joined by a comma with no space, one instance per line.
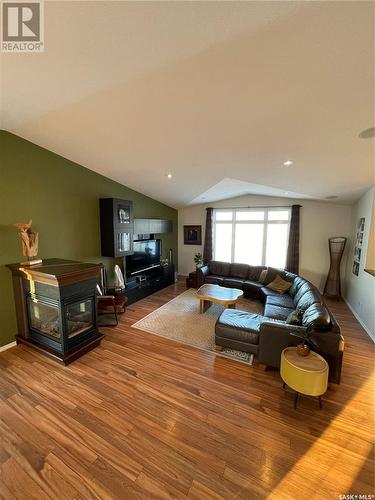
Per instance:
(207,294)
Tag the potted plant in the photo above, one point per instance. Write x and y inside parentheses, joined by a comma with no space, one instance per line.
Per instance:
(198,260)
(303,348)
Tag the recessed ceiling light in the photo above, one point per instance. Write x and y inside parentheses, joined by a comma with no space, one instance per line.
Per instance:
(169,176)
(286,192)
(368,133)
(288,163)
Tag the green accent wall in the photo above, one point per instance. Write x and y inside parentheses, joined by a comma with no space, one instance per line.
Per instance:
(62,199)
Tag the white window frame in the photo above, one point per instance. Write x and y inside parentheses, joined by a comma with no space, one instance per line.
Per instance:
(265,222)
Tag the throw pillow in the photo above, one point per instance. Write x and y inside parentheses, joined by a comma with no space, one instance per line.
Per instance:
(272,272)
(279,285)
(263,276)
(295,318)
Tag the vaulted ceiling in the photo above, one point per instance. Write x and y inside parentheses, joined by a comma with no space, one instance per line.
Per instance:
(219,94)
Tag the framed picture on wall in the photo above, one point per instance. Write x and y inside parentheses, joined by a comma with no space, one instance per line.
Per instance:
(358,246)
(192,235)
(356,268)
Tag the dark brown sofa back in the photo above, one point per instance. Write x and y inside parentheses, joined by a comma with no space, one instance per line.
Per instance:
(219,268)
(310,297)
(239,271)
(254,272)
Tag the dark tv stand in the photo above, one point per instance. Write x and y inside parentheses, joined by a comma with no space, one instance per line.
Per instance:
(150,281)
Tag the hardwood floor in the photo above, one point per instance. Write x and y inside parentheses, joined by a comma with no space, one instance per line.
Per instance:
(142,416)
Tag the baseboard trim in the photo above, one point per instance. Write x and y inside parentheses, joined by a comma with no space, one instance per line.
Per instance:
(357,317)
(8,346)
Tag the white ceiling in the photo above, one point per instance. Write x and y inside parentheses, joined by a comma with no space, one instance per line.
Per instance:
(217,93)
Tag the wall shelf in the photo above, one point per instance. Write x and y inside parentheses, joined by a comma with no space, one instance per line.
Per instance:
(116,227)
(152,226)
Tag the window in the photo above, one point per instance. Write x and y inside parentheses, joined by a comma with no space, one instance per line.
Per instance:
(252,236)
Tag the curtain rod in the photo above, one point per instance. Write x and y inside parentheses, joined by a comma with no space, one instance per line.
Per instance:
(257,206)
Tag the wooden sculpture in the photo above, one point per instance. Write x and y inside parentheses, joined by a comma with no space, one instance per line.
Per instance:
(29,240)
(333,284)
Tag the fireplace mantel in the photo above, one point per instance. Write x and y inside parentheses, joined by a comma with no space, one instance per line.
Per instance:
(56,307)
(57,272)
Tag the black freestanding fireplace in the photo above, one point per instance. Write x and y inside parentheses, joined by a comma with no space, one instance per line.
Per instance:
(56,307)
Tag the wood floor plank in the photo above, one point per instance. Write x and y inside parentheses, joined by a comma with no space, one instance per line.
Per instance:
(21,485)
(144,417)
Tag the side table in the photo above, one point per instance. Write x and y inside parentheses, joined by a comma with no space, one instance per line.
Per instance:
(306,375)
(192,280)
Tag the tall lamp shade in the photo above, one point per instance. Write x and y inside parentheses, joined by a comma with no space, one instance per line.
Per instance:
(333,284)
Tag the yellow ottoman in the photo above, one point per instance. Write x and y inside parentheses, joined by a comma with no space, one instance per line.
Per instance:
(306,375)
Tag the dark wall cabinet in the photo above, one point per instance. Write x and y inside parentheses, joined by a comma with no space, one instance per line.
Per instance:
(116,227)
(153,281)
(152,226)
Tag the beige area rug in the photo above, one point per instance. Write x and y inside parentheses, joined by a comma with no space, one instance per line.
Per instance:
(180,320)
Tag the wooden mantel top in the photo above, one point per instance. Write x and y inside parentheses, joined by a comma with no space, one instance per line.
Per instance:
(57,272)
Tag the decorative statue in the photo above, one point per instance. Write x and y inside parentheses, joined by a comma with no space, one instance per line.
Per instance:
(29,243)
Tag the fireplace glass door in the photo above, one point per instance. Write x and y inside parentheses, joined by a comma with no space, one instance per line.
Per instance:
(44,318)
(79,317)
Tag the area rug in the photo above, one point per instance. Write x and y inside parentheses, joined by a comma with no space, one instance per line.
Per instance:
(180,320)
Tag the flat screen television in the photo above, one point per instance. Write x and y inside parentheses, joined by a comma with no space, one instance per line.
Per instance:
(146,254)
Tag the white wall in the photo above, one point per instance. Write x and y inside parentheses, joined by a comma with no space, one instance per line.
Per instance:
(319,221)
(359,291)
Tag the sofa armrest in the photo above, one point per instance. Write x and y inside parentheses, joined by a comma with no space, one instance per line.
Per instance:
(280,326)
(202,272)
(274,337)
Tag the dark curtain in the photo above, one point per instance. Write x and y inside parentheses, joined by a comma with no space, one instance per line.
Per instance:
(292,258)
(208,239)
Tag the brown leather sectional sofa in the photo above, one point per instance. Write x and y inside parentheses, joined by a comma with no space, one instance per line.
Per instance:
(268,334)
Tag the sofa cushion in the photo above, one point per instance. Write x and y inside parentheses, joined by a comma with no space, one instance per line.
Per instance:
(233,283)
(277,312)
(279,285)
(272,272)
(317,316)
(296,285)
(306,286)
(311,296)
(239,271)
(280,300)
(290,276)
(239,325)
(262,276)
(267,292)
(219,268)
(254,272)
(294,318)
(252,288)
(214,279)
